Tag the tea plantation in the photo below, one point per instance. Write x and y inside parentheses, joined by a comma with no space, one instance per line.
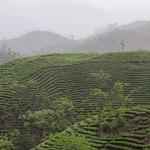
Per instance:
(31,86)
(134,136)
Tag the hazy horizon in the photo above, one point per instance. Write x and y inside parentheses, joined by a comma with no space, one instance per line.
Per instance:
(67,17)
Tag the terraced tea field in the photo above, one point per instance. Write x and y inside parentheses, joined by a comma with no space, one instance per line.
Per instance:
(135,137)
(68,76)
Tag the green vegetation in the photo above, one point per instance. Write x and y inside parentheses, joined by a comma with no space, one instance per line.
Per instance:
(43,95)
(63,142)
(108,139)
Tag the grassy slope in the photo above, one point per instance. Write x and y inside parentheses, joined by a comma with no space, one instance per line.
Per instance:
(66,75)
(135,136)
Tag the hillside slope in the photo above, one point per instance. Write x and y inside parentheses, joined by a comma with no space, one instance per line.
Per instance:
(39,42)
(110,42)
(28,82)
(66,74)
(144,27)
(134,136)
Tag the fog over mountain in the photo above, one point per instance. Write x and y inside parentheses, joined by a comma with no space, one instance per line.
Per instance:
(135,35)
(67,17)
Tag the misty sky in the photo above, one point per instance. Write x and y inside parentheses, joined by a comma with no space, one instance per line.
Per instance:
(67,17)
(118,4)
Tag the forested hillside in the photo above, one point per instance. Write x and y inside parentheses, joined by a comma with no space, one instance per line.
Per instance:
(45,94)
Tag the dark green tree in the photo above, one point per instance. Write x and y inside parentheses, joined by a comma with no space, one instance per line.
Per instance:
(100,100)
(112,99)
(6,144)
(100,96)
(101,78)
(52,120)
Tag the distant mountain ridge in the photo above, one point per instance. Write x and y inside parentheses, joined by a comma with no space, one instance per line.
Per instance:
(39,42)
(136,36)
(111,42)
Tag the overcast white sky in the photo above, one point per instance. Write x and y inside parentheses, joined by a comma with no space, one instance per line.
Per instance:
(67,17)
(119,4)
(103,4)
